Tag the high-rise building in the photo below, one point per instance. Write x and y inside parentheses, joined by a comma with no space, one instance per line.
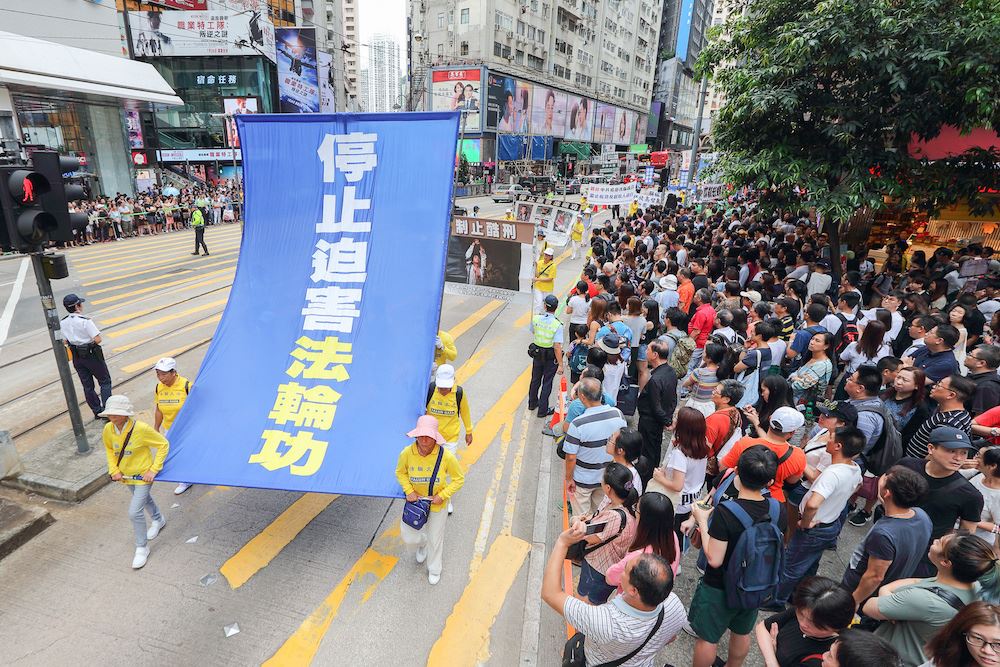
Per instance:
(383,73)
(715,97)
(578,59)
(683,34)
(352,49)
(361,104)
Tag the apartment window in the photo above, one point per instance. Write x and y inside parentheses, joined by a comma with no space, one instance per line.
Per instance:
(441,20)
(464,16)
(451,17)
(464,49)
(497,49)
(329,35)
(504,21)
(520,28)
(506,51)
(531,32)
(541,36)
(535,62)
(534,5)
(440,49)
(545,9)
(519,57)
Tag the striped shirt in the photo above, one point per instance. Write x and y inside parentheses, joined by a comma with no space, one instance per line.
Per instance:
(587,439)
(917,446)
(615,629)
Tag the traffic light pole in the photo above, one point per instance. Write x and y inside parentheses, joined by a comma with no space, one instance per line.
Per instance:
(59,348)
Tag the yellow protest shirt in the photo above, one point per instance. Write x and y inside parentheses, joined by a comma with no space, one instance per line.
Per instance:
(632,208)
(448,352)
(413,472)
(448,413)
(576,233)
(171,399)
(545,275)
(138,457)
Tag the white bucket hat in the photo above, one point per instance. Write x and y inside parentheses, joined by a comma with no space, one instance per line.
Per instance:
(118,405)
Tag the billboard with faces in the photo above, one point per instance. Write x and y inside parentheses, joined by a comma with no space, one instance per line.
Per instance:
(579,118)
(548,112)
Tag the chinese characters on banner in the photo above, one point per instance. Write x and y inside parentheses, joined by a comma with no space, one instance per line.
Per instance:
(319,367)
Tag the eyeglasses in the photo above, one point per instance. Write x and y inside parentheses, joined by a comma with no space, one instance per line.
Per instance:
(981,642)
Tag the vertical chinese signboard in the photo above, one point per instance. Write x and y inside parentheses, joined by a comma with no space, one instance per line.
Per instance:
(305,387)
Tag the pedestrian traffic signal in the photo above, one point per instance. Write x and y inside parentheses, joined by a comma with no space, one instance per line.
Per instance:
(35,202)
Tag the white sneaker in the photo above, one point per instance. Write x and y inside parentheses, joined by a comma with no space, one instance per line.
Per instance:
(155,528)
(181,488)
(433,578)
(451,508)
(141,554)
(421,554)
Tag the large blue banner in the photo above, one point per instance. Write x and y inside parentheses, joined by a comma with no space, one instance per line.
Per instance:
(322,358)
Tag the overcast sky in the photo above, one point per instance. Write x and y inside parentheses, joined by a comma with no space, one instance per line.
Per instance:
(388,16)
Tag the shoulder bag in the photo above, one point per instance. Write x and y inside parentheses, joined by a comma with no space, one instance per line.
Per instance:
(415,513)
(574,656)
(121,454)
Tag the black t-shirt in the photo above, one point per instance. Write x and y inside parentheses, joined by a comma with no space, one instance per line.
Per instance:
(959,501)
(975,322)
(795,649)
(726,527)
(700,281)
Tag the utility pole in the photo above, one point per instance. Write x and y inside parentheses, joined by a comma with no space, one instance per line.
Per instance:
(128,30)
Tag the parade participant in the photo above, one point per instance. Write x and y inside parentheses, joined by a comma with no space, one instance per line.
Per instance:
(84,341)
(198,223)
(421,471)
(544,281)
(450,406)
(547,359)
(445,351)
(127,445)
(576,236)
(170,394)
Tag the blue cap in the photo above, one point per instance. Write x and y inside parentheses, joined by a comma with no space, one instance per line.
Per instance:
(551,301)
(950,437)
(70,301)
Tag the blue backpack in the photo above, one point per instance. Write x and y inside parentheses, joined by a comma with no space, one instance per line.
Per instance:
(757,560)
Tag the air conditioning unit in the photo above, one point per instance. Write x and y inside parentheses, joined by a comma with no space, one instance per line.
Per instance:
(510,34)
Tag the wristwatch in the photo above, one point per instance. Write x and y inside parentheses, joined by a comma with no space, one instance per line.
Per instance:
(995,432)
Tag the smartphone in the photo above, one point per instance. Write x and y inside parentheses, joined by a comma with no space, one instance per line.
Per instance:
(594,528)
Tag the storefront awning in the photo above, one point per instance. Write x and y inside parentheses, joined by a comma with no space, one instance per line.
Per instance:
(35,63)
(577,148)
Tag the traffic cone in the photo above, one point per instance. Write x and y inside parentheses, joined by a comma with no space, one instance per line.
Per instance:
(557,416)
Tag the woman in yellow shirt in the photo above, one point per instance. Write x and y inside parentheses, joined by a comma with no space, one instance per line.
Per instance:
(413,471)
(128,444)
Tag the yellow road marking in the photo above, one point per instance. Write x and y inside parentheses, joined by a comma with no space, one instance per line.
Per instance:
(472,617)
(228,280)
(262,549)
(475,318)
(146,269)
(515,478)
(474,363)
(301,647)
(166,318)
(176,352)
(493,421)
(489,504)
(194,325)
(161,249)
(130,245)
(142,281)
(108,321)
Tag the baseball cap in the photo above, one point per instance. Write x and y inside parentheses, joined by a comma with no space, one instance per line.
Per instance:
(753,295)
(786,419)
(611,343)
(444,377)
(166,364)
(842,410)
(540,232)
(950,437)
(550,300)
(550,251)
(70,300)
(668,282)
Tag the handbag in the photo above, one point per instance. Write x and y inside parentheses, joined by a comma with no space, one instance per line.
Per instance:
(415,512)
(574,656)
(579,550)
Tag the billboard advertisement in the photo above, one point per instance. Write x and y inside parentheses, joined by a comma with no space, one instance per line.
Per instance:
(500,93)
(604,124)
(298,80)
(459,90)
(216,32)
(327,95)
(641,127)
(653,122)
(548,112)
(233,107)
(624,126)
(579,118)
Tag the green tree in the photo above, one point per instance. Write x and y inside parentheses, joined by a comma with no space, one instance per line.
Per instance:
(824,96)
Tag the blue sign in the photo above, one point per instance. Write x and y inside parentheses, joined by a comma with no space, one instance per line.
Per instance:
(684,29)
(322,358)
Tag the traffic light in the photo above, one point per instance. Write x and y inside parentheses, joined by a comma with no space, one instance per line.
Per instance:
(35,202)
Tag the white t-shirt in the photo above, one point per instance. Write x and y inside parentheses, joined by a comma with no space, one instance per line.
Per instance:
(818,283)
(778,348)
(694,477)
(831,323)
(816,454)
(853,358)
(866,316)
(613,378)
(836,484)
(581,308)
(78,330)
(991,507)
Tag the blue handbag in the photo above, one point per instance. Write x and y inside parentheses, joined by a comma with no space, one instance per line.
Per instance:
(415,513)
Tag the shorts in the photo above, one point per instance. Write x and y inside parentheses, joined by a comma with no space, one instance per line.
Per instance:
(710,616)
(642,352)
(869,488)
(593,585)
(795,493)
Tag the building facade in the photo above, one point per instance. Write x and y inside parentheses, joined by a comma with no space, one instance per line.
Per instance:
(568,74)
(382,85)
(352,50)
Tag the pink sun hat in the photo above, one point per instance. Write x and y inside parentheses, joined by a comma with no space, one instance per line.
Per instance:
(428,426)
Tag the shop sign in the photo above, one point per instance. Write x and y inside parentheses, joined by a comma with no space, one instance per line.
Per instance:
(219,31)
(197,155)
(140,159)
(216,79)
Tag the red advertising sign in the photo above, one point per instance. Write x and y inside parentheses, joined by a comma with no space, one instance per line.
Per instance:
(458,90)
(199,5)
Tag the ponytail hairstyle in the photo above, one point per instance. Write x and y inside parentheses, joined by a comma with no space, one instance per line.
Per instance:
(619,478)
(655,527)
(991,457)
(583,290)
(973,560)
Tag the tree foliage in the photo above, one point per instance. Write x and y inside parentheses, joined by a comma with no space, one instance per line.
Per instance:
(824,96)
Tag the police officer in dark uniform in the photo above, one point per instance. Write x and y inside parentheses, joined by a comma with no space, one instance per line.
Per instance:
(84,340)
(547,359)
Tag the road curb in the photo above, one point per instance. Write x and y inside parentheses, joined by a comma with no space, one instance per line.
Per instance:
(19,524)
(55,469)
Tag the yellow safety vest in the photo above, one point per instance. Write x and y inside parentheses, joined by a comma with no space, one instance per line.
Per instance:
(545,327)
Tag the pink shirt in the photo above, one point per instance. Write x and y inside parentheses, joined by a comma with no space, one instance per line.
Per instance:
(614,574)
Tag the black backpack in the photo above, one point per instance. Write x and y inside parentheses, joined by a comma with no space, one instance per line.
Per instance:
(849,332)
(458,395)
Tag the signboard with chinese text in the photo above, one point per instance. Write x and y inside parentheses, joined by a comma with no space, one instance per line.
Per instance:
(488,253)
(459,90)
(216,32)
(304,387)
(197,155)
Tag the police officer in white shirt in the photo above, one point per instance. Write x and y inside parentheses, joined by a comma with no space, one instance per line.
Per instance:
(84,340)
